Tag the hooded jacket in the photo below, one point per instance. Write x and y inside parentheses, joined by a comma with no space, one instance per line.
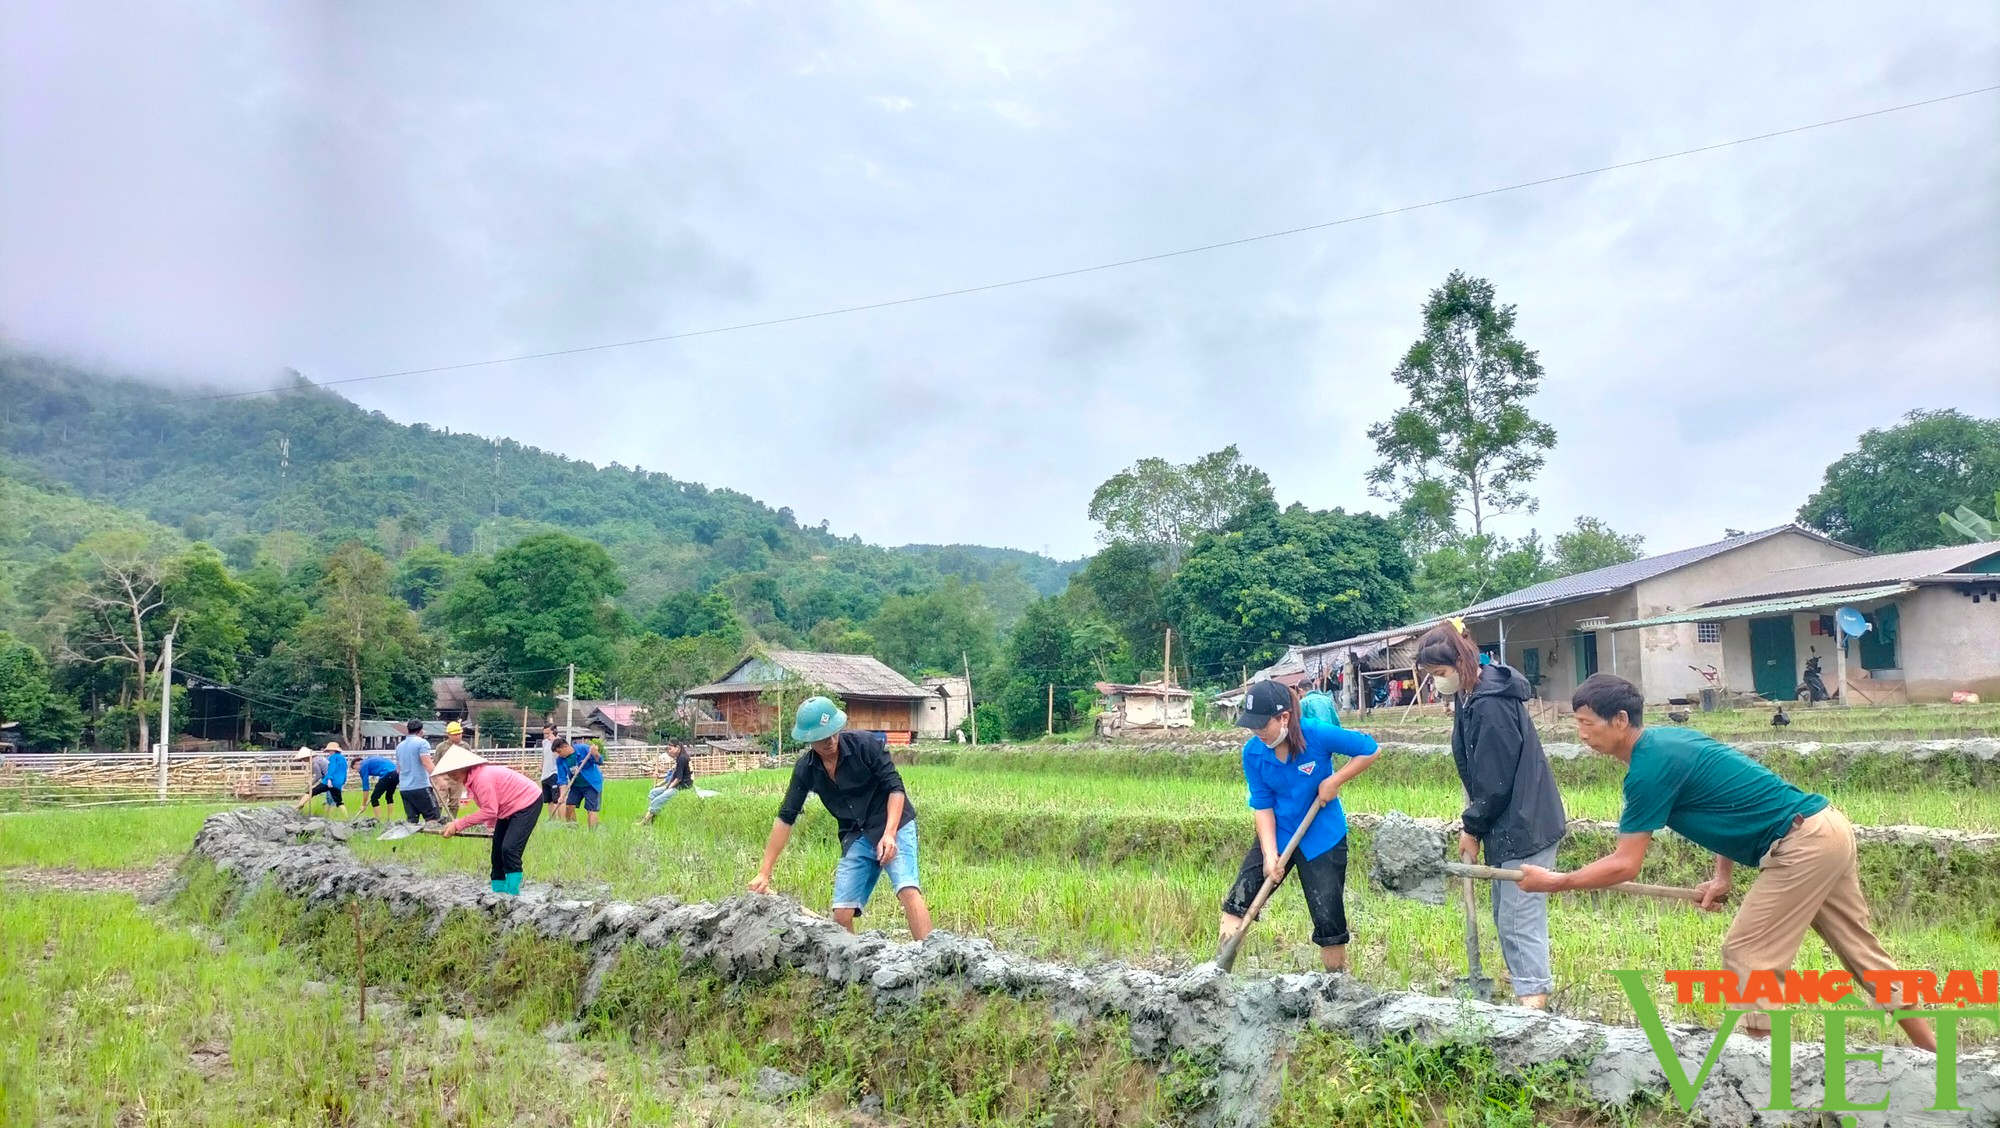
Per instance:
(1512,805)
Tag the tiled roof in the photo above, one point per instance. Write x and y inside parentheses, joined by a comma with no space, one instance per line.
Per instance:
(1584,585)
(1894,567)
(850,675)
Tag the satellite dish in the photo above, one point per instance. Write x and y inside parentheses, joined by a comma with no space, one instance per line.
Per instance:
(1852,623)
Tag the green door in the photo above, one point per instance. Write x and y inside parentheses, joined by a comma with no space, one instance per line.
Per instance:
(1775,658)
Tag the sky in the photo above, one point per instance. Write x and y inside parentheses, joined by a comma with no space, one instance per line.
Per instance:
(211,192)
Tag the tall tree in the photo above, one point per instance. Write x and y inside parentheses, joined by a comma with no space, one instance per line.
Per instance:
(1465,444)
(931,630)
(113,617)
(1593,544)
(538,606)
(1886,494)
(43,716)
(1122,585)
(1051,652)
(656,671)
(1291,577)
(359,633)
(1165,506)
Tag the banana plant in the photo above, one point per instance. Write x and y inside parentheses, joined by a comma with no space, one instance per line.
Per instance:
(1971,525)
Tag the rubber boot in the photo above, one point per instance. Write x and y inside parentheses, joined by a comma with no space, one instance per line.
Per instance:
(500,885)
(511,885)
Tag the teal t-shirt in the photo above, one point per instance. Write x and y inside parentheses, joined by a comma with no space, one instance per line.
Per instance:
(1710,794)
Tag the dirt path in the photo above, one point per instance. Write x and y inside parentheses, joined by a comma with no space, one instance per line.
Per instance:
(140,883)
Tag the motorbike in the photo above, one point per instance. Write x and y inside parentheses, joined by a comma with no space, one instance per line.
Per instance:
(1813,689)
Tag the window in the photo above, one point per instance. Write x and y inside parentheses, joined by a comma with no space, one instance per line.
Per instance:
(1708,632)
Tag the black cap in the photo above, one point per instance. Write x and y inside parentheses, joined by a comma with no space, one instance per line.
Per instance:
(1266,699)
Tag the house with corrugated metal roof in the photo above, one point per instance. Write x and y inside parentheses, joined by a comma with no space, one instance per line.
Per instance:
(1560,632)
(1931,619)
(752,696)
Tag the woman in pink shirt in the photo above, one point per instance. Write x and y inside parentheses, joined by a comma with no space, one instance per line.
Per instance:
(508,801)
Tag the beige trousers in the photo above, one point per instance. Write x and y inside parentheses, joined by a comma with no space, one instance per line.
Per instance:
(1811,878)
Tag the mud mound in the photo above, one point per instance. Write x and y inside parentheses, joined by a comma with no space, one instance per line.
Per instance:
(1242,1025)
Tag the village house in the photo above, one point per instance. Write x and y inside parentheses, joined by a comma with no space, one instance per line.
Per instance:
(877,698)
(1556,633)
(1151,708)
(1933,620)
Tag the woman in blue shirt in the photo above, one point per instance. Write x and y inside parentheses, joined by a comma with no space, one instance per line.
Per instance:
(1288,764)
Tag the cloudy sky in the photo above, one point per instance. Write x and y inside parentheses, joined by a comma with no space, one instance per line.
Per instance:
(215,191)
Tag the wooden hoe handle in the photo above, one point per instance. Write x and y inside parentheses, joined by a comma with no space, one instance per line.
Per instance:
(1636,889)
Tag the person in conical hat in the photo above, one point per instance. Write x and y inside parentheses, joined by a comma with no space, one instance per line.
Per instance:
(331,776)
(506,800)
(855,779)
(315,774)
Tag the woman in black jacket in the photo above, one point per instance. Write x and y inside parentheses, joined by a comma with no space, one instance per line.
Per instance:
(1512,808)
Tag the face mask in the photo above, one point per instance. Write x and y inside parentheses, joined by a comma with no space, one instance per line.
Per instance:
(1446,684)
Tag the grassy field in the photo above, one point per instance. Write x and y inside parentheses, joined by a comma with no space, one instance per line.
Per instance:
(116,1017)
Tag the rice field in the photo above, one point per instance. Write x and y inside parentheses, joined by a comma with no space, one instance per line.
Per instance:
(1079,856)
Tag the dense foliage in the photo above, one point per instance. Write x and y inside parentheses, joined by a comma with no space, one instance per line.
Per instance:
(1887,493)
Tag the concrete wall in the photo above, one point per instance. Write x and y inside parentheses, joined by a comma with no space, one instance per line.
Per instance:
(936,717)
(1665,653)
(1947,642)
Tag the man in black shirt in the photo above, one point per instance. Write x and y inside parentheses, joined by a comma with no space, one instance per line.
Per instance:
(857,782)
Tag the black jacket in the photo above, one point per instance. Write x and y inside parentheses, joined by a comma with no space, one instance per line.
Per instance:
(1512,805)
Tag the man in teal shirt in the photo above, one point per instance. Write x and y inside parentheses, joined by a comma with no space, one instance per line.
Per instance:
(1745,814)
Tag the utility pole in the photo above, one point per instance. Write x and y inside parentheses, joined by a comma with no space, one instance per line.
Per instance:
(284,463)
(166,710)
(1167,671)
(1052,709)
(569,713)
(971,703)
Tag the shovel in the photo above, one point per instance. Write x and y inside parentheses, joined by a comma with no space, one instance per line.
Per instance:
(1226,958)
(1409,863)
(1474,985)
(404,830)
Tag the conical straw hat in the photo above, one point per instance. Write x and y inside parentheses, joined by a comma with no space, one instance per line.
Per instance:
(457,758)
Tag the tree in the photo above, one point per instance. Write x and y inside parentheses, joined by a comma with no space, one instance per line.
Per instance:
(539,606)
(1967,524)
(1122,585)
(1470,569)
(112,618)
(686,614)
(44,717)
(1051,647)
(1291,577)
(423,574)
(361,633)
(656,671)
(1886,494)
(1591,545)
(1164,506)
(500,728)
(931,630)
(1465,444)
(840,636)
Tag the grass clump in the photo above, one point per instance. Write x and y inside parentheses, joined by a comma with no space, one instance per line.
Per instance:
(1331,1081)
(950,1057)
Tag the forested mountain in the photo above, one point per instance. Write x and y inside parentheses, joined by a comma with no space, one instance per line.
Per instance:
(306,463)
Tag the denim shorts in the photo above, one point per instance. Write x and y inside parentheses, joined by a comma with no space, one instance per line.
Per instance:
(854,879)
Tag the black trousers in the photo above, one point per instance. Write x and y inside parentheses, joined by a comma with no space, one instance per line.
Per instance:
(385,789)
(419,803)
(1324,879)
(510,840)
(329,790)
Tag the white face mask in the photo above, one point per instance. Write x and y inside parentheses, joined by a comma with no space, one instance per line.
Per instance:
(1446,684)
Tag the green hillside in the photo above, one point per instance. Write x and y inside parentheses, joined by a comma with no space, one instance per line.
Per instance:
(307,463)
(39,523)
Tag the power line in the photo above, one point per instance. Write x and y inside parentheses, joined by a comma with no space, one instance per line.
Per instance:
(1075,271)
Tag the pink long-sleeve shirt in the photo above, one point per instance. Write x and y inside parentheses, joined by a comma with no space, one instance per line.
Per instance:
(501,792)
